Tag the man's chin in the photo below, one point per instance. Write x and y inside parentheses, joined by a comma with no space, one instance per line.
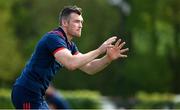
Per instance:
(78,35)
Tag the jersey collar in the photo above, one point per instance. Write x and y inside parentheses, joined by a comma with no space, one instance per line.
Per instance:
(63,34)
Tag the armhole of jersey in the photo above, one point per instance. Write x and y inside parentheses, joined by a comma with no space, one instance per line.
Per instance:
(76,53)
(58,49)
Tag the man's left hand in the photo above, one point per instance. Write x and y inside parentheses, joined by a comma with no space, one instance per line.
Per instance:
(117,51)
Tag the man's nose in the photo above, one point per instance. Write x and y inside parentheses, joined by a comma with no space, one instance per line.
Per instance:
(80,25)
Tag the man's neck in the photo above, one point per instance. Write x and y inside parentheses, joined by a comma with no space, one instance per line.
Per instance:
(69,37)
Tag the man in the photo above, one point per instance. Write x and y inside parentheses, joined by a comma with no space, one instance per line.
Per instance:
(56,50)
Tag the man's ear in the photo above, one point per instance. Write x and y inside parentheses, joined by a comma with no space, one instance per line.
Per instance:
(64,22)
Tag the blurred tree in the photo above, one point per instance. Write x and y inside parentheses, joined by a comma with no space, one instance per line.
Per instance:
(147,63)
(174,53)
(151,30)
(24,25)
(10,58)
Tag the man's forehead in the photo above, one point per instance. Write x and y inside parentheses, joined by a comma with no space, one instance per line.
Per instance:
(76,16)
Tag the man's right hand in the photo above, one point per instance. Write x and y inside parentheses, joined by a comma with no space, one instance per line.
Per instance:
(107,44)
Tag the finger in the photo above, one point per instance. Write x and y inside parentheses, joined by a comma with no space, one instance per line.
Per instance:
(111,40)
(123,56)
(124,50)
(117,43)
(110,46)
(121,45)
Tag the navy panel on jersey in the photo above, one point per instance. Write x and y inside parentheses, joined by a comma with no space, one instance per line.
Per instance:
(42,66)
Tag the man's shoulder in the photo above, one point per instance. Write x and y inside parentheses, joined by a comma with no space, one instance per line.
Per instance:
(50,35)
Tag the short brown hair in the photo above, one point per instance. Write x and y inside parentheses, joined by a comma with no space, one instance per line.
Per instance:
(67,10)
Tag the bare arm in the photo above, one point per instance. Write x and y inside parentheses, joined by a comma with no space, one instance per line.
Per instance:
(96,65)
(73,62)
(112,54)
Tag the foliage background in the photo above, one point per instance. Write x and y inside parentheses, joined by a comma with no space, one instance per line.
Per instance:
(150,28)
